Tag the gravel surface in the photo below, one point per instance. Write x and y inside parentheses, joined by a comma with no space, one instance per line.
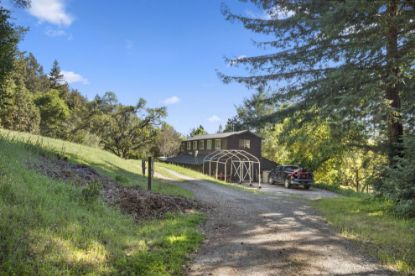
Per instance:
(271,233)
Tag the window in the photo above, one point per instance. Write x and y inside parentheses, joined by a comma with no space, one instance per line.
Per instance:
(189,146)
(202,144)
(194,145)
(244,143)
(218,144)
(209,144)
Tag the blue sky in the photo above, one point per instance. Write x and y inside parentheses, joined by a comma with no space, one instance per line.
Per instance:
(165,51)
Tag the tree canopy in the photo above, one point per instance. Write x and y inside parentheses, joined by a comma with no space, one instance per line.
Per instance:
(348,65)
(200,130)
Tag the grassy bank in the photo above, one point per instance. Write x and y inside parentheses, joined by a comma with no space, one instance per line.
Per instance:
(369,222)
(161,169)
(46,227)
(127,172)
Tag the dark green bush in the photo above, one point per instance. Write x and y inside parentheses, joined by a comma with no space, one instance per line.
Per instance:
(398,182)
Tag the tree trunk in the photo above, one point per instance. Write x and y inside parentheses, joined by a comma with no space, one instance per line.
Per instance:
(392,95)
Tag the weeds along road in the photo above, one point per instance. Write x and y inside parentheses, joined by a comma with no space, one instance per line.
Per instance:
(270,234)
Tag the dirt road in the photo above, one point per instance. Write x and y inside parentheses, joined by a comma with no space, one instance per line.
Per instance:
(270,234)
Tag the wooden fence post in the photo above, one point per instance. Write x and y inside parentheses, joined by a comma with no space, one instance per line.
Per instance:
(150,172)
(143,166)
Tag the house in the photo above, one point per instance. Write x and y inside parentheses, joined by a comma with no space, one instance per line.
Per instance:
(234,154)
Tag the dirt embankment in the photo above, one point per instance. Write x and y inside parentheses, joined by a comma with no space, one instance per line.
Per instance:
(138,203)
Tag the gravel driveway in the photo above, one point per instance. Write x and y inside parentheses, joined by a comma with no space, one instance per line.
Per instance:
(270,233)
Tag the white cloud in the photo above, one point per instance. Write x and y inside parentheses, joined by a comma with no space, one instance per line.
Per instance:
(51,11)
(171,100)
(214,119)
(72,77)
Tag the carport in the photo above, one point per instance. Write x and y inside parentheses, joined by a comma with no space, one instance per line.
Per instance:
(232,164)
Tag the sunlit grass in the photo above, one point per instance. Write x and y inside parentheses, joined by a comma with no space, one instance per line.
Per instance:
(371,225)
(46,228)
(160,168)
(126,171)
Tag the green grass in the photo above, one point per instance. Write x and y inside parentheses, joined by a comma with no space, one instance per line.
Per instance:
(347,191)
(47,228)
(160,168)
(369,222)
(126,172)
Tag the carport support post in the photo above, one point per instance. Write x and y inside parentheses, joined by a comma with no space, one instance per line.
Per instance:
(259,176)
(225,172)
(150,174)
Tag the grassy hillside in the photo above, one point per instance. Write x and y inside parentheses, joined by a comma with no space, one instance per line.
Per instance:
(128,172)
(46,226)
(371,224)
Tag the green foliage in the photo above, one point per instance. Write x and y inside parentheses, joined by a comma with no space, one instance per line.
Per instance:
(168,140)
(32,73)
(348,64)
(249,114)
(53,112)
(316,146)
(9,36)
(17,110)
(200,130)
(56,76)
(371,224)
(399,182)
(121,130)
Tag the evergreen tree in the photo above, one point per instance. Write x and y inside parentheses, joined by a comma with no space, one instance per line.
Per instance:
(200,130)
(35,79)
(56,76)
(250,113)
(9,37)
(17,110)
(54,114)
(346,60)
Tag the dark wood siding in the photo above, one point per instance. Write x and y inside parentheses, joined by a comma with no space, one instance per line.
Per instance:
(233,143)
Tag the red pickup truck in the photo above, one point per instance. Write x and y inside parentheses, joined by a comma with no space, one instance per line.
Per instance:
(290,175)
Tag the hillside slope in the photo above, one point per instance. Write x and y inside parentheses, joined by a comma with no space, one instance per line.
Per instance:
(48,226)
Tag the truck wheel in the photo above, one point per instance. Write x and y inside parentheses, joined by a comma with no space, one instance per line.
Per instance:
(270,180)
(307,187)
(287,183)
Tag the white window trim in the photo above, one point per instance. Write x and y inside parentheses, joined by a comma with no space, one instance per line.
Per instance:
(218,144)
(242,144)
(209,144)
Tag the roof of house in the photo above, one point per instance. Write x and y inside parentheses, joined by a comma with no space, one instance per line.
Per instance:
(186,159)
(220,135)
